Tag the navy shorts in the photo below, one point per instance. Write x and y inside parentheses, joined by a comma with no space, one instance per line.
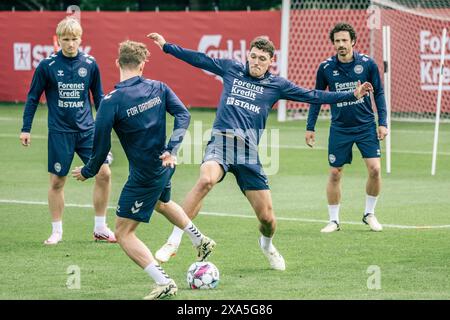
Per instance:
(137,201)
(234,155)
(62,146)
(340,143)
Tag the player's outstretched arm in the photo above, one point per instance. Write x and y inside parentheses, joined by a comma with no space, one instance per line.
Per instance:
(291,91)
(194,58)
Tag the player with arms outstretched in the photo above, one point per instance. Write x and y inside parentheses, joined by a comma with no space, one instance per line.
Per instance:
(249,93)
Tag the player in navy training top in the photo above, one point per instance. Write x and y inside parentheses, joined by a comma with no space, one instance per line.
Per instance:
(351,122)
(67,77)
(249,92)
(137,109)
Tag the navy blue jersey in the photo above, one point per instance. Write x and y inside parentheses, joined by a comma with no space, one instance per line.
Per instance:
(66,82)
(137,112)
(341,77)
(246,101)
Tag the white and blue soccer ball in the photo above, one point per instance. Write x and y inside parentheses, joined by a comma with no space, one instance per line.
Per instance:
(203,275)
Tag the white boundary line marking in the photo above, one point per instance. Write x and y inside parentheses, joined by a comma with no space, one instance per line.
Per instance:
(219,214)
(281,146)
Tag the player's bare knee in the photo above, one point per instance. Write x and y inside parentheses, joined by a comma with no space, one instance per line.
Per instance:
(375,172)
(161,207)
(121,233)
(335,175)
(205,183)
(267,218)
(104,175)
(57,184)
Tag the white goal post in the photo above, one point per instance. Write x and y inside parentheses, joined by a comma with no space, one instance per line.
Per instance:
(439,102)
(387,90)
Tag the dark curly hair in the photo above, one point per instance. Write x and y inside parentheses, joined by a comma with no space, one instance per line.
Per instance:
(342,26)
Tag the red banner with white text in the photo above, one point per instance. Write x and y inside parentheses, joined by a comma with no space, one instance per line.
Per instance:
(27,38)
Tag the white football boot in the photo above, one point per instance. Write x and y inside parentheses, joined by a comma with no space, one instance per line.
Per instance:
(276,260)
(104,234)
(162,291)
(205,248)
(54,238)
(331,227)
(167,251)
(371,220)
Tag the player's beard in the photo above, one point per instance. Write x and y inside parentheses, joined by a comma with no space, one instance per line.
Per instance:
(342,51)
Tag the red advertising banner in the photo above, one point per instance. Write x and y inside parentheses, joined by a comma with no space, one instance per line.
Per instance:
(310,44)
(27,38)
(415,61)
(415,53)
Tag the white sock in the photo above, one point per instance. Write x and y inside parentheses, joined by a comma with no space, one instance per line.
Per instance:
(194,233)
(371,202)
(157,273)
(57,227)
(175,237)
(333,212)
(266,243)
(100,222)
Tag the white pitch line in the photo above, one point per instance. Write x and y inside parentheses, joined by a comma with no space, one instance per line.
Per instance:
(297,129)
(281,146)
(220,214)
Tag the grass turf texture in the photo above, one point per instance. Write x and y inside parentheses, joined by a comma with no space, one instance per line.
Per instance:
(413,262)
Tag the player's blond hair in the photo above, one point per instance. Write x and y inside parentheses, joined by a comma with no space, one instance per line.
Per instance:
(69,26)
(132,54)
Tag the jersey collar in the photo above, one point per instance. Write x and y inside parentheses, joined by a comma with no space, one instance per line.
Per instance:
(60,54)
(356,58)
(129,82)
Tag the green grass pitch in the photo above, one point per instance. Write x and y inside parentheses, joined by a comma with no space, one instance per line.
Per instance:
(413,260)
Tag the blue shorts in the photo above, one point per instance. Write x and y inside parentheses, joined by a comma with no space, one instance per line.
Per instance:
(137,201)
(234,156)
(340,143)
(62,147)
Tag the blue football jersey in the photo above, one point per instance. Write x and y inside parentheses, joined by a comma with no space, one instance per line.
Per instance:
(245,101)
(137,109)
(342,77)
(66,82)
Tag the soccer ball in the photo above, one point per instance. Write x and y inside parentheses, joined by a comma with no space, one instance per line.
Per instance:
(203,275)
